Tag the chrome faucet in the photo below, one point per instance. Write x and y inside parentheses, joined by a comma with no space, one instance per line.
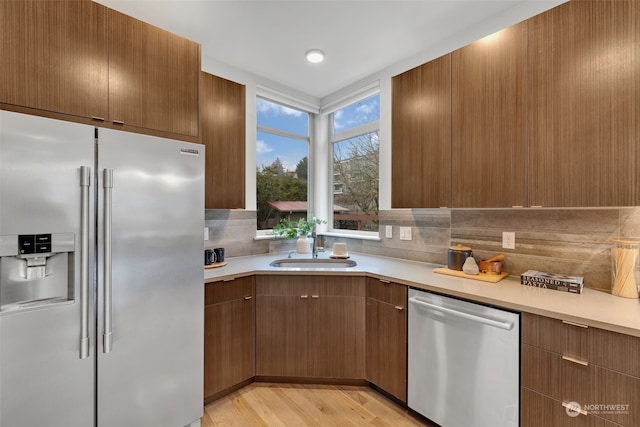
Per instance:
(315,248)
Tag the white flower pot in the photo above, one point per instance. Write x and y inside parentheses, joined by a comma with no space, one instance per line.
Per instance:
(303,245)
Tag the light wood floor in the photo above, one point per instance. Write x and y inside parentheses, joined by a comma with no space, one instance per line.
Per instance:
(268,404)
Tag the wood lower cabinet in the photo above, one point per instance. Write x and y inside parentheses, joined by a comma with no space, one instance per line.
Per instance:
(489,133)
(421,136)
(153,77)
(222,125)
(55,56)
(310,327)
(229,350)
(387,337)
(584,98)
(564,362)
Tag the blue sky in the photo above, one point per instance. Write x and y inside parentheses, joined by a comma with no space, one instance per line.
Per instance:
(291,151)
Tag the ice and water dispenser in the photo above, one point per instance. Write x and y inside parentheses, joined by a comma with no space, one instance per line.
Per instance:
(36,270)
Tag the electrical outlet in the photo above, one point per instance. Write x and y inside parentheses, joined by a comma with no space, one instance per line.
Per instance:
(389,231)
(508,240)
(405,233)
(206,233)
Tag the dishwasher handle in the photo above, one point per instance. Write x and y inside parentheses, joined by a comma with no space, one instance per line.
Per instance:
(479,319)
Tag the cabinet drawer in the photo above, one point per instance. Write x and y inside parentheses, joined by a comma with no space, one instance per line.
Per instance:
(386,291)
(599,347)
(549,374)
(228,290)
(602,392)
(615,351)
(567,338)
(539,410)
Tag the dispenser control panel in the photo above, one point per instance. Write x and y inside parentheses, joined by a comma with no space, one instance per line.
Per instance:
(34,243)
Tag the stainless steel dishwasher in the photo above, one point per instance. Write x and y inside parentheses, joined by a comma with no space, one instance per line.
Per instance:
(463,362)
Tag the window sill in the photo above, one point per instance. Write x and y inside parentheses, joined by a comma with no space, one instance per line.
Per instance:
(350,234)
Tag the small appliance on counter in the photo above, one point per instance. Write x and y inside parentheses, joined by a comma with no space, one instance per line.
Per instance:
(457,255)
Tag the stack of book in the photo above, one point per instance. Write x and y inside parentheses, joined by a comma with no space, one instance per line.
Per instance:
(559,282)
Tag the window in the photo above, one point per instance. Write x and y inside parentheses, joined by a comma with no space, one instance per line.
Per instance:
(282,163)
(354,135)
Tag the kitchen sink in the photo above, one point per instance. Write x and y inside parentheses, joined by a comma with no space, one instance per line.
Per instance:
(313,263)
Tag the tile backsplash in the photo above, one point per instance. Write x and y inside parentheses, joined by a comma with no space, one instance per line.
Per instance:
(571,241)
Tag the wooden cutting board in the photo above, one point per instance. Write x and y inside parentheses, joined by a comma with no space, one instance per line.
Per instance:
(484,277)
(215,265)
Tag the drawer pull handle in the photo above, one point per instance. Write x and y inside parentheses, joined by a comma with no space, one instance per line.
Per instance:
(100,119)
(315,296)
(229,280)
(574,408)
(574,360)
(385,281)
(399,307)
(118,122)
(566,322)
(248,297)
(304,296)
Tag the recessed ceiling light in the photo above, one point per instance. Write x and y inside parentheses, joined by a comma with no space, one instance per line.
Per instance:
(315,56)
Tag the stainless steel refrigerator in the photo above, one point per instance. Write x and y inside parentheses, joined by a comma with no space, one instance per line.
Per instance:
(101,278)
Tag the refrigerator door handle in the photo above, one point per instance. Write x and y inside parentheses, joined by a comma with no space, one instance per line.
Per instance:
(85,183)
(108,327)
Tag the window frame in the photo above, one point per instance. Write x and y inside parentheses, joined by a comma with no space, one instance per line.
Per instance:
(267,233)
(336,137)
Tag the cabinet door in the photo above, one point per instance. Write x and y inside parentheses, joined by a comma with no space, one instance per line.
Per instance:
(281,336)
(229,345)
(222,120)
(153,77)
(584,62)
(336,337)
(421,136)
(54,56)
(489,150)
(387,347)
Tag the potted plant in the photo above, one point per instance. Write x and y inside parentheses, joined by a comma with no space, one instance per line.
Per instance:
(300,229)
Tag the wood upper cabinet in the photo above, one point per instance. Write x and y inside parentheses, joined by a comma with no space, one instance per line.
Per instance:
(421,136)
(222,127)
(310,326)
(54,56)
(489,151)
(153,77)
(387,336)
(584,61)
(229,349)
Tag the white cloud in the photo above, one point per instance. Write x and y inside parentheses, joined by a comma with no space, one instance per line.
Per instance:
(262,147)
(267,107)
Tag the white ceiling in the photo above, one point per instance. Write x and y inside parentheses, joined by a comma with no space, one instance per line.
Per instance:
(269,38)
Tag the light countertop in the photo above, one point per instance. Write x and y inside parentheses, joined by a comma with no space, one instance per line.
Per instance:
(592,308)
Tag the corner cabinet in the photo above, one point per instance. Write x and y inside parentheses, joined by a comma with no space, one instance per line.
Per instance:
(387,337)
(222,126)
(153,77)
(310,327)
(489,133)
(421,136)
(229,349)
(584,60)
(55,56)
(564,363)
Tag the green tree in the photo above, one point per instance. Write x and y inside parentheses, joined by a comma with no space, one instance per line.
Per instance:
(274,184)
(302,168)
